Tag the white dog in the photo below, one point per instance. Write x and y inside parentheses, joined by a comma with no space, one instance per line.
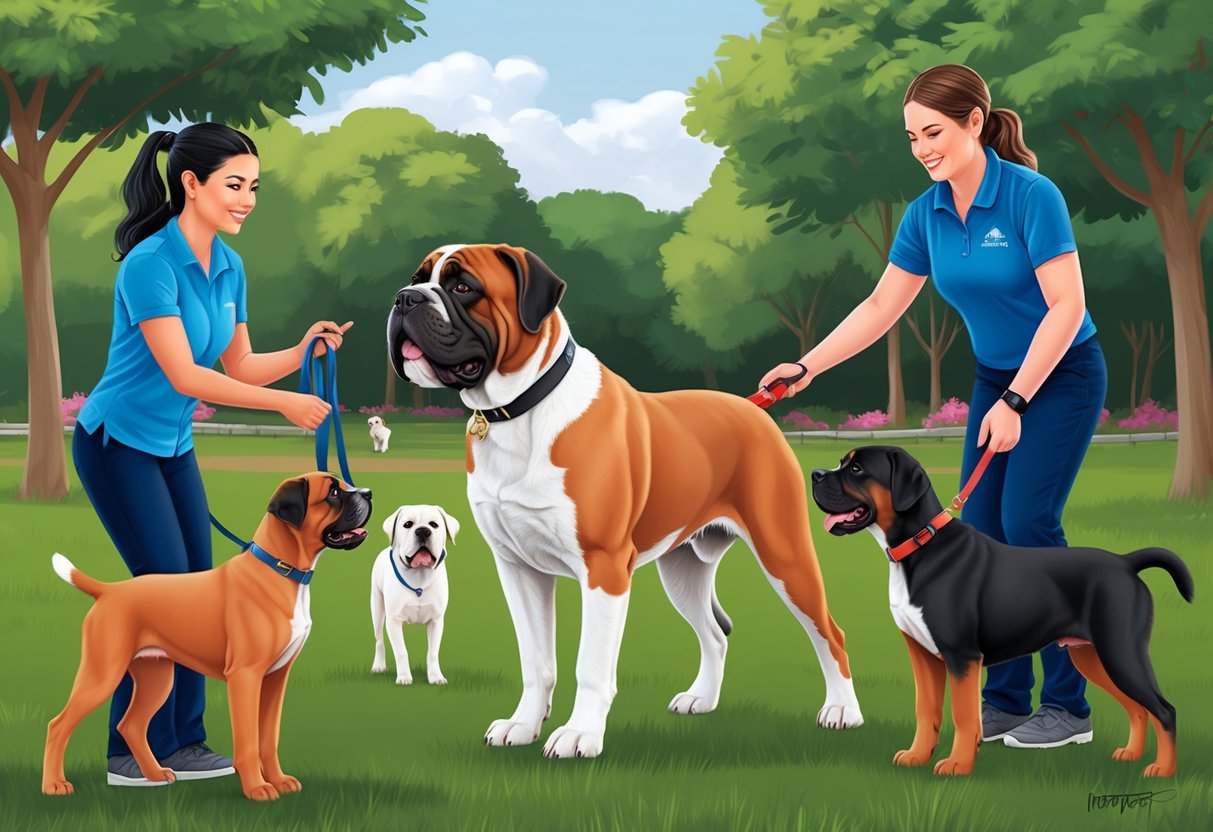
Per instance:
(409,586)
(379,434)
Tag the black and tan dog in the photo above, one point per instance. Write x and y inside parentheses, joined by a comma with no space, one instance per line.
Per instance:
(962,599)
(244,621)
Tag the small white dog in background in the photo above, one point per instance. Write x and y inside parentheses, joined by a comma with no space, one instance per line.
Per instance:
(379,434)
(409,586)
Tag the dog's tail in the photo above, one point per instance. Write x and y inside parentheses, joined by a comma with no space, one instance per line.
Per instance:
(66,570)
(1164,559)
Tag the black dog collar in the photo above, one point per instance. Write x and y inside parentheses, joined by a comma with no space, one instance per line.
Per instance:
(534,394)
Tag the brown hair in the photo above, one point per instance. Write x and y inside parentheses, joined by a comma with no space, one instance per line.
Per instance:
(954,90)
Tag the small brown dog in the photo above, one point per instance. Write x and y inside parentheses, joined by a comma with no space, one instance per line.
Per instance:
(244,621)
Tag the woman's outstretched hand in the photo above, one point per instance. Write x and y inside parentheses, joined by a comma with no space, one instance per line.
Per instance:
(331,333)
(785,371)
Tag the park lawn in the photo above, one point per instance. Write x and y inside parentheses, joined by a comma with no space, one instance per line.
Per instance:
(375,755)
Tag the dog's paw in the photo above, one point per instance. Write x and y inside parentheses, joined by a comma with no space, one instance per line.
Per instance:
(287,784)
(437,678)
(839,716)
(505,732)
(263,792)
(911,757)
(1159,770)
(404,680)
(953,767)
(1127,754)
(568,742)
(57,787)
(379,667)
(689,703)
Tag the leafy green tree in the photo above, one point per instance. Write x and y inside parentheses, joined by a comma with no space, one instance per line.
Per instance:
(97,71)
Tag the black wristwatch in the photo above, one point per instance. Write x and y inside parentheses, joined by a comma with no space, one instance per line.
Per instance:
(1015,401)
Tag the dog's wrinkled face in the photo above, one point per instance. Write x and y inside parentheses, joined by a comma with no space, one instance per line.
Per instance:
(419,535)
(874,484)
(323,509)
(470,311)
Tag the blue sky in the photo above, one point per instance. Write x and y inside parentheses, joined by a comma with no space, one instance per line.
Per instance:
(592,50)
(577,94)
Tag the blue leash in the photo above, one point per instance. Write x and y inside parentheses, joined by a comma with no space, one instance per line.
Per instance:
(326,389)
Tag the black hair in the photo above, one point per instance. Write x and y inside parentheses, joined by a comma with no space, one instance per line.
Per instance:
(201,148)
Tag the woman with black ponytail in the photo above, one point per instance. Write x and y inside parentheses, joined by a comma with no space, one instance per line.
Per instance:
(995,237)
(179,306)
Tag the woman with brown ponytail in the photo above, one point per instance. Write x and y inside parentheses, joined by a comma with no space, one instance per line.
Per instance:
(179,307)
(995,236)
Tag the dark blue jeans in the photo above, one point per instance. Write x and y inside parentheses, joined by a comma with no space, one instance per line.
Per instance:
(1020,499)
(155,511)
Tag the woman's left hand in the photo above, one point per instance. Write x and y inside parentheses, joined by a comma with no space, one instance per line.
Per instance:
(331,333)
(1001,425)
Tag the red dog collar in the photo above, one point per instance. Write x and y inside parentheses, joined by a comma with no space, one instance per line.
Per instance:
(922,536)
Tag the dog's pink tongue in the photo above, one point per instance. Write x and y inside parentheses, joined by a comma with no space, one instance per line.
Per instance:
(833,520)
(410,351)
(423,559)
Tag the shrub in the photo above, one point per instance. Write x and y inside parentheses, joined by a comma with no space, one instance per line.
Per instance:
(1150,415)
(435,412)
(69,409)
(953,413)
(379,409)
(802,421)
(202,412)
(1103,417)
(866,421)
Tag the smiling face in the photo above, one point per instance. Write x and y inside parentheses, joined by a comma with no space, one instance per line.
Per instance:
(943,146)
(228,195)
(419,534)
(877,486)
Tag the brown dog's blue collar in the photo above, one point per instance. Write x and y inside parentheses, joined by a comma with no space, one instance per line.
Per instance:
(283,568)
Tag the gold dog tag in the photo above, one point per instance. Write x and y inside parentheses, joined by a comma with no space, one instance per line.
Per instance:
(478,426)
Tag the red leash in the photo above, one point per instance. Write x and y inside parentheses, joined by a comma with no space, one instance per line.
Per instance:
(775,391)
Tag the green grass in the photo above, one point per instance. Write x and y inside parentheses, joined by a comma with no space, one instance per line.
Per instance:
(374,755)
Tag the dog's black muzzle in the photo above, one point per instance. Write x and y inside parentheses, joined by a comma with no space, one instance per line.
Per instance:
(349,530)
(459,349)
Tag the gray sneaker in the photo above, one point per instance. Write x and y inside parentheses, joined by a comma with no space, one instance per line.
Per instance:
(124,771)
(996,723)
(1050,728)
(197,762)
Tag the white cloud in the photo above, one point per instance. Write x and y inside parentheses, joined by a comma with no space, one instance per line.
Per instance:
(638,147)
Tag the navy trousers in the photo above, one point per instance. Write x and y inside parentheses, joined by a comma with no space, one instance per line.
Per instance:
(155,511)
(1020,499)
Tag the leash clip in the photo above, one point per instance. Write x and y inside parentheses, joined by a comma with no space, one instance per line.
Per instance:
(285,568)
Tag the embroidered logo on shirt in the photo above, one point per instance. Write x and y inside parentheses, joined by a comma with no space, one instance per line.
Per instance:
(231,306)
(995,239)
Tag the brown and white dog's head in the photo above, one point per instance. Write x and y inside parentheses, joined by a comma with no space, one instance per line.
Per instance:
(313,512)
(471,311)
(419,535)
(876,487)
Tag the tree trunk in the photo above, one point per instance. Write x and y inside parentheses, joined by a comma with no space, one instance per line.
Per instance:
(1193,366)
(1135,342)
(709,375)
(897,392)
(389,386)
(45,475)
(1158,346)
(418,396)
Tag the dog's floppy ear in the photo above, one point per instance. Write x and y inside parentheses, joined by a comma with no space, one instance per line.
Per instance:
(539,289)
(389,525)
(289,503)
(907,480)
(452,525)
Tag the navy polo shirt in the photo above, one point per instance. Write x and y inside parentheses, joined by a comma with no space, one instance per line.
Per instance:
(161,277)
(986,266)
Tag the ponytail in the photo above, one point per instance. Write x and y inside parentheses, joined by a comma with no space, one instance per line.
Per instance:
(143,191)
(201,148)
(1003,132)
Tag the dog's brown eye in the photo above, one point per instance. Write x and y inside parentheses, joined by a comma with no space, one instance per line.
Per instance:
(855,469)
(462,288)
(408,524)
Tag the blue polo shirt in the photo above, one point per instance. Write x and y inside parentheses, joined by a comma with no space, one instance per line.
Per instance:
(986,266)
(160,277)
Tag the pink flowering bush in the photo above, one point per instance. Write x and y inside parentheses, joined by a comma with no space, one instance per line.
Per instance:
(802,421)
(69,409)
(202,412)
(435,412)
(379,409)
(866,421)
(1103,417)
(953,413)
(1150,415)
